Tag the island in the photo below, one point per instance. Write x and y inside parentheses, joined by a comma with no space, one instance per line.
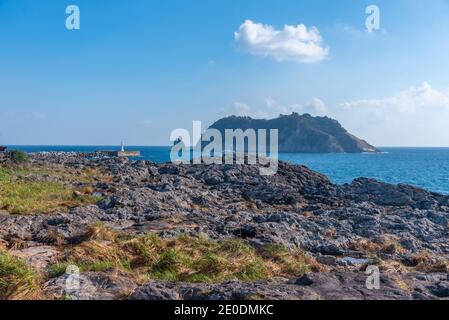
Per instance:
(302,133)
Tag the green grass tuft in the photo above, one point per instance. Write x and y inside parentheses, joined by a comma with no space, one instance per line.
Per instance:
(21,195)
(168,261)
(188,259)
(165,275)
(18,156)
(211,264)
(17,280)
(58,269)
(253,271)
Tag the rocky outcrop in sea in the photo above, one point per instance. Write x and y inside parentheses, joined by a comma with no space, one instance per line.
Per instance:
(301,133)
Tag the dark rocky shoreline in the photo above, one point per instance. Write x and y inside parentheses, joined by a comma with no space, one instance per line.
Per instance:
(402,229)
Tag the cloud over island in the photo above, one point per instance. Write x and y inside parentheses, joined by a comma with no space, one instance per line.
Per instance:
(293,43)
(272,109)
(417,116)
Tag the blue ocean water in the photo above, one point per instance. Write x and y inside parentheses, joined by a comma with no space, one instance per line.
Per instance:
(427,168)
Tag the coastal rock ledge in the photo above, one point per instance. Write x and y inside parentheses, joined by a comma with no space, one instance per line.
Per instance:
(320,236)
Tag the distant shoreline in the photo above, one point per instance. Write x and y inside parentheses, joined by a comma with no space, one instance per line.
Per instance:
(168,146)
(424,167)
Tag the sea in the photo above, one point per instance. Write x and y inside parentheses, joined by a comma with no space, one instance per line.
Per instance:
(427,168)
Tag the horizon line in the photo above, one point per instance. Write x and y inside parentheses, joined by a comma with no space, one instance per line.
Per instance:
(159,145)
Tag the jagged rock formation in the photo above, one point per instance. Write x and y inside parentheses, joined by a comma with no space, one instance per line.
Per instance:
(401,229)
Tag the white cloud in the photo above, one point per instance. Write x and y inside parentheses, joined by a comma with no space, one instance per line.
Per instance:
(240,109)
(414,99)
(244,110)
(316,107)
(417,116)
(293,43)
(273,109)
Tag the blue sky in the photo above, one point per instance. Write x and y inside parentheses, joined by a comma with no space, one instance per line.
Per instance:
(138,69)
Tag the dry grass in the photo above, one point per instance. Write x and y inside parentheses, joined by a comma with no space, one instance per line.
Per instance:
(98,231)
(251,205)
(92,255)
(390,266)
(389,246)
(3,245)
(91,252)
(392,246)
(184,258)
(402,284)
(291,262)
(33,190)
(425,262)
(308,214)
(331,233)
(189,259)
(17,280)
(365,245)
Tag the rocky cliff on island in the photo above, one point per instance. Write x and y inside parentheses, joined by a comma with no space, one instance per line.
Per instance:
(140,230)
(302,133)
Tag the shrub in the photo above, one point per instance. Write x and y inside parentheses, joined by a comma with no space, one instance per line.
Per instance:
(18,156)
